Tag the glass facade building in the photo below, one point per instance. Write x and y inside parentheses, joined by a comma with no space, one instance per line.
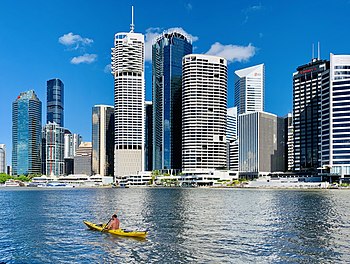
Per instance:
(250,89)
(26,134)
(307,84)
(103,140)
(167,54)
(148,136)
(53,149)
(55,102)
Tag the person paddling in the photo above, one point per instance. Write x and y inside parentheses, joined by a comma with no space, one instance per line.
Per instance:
(114,223)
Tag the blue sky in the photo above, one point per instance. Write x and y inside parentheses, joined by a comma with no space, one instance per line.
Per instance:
(71,40)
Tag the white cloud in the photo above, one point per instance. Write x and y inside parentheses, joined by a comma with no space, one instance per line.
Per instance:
(86,58)
(70,40)
(153,33)
(232,52)
(108,68)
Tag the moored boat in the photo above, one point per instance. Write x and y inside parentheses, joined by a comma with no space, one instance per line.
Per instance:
(118,232)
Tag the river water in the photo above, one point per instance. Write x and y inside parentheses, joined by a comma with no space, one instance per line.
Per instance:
(185,225)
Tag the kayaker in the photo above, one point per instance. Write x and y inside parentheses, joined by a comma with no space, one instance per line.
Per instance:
(114,224)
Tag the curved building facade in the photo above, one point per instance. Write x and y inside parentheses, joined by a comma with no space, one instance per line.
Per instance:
(129,96)
(26,134)
(204,112)
(167,53)
(55,102)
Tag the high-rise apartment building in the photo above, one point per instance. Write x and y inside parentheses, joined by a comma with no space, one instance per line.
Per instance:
(261,143)
(335,116)
(204,112)
(55,102)
(250,89)
(26,134)
(53,149)
(307,86)
(103,140)
(167,53)
(129,96)
(2,158)
(148,136)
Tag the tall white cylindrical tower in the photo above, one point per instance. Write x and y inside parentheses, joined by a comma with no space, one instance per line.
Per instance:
(204,112)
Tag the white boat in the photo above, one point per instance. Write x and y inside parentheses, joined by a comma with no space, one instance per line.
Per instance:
(12,183)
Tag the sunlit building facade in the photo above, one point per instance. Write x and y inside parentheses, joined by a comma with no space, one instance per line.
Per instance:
(2,158)
(129,95)
(250,89)
(103,140)
(204,112)
(26,134)
(53,149)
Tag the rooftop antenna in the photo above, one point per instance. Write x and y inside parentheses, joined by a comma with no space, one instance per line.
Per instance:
(313,51)
(318,53)
(132,26)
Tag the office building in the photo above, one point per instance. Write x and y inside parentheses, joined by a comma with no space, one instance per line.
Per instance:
(335,116)
(53,150)
(82,159)
(167,53)
(55,102)
(148,136)
(289,133)
(129,96)
(307,86)
(250,89)
(72,142)
(233,157)
(204,112)
(261,144)
(26,134)
(103,140)
(2,158)
(231,123)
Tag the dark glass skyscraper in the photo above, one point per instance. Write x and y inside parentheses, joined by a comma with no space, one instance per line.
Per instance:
(55,102)
(148,135)
(307,84)
(26,134)
(167,54)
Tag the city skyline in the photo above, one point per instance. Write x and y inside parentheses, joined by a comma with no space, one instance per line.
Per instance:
(79,54)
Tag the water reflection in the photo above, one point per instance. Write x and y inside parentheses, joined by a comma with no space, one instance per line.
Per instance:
(185,225)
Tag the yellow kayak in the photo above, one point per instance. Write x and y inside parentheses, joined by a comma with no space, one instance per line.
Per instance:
(118,232)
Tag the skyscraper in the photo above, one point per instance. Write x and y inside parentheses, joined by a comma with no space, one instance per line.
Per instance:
(129,96)
(103,140)
(53,149)
(307,84)
(148,136)
(55,102)
(26,134)
(250,89)
(261,144)
(335,116)
(204,112)
(167,53)
(2,158)
(232,119)
(82,159)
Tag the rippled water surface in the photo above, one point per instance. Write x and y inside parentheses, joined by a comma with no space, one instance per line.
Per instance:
(185,226)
